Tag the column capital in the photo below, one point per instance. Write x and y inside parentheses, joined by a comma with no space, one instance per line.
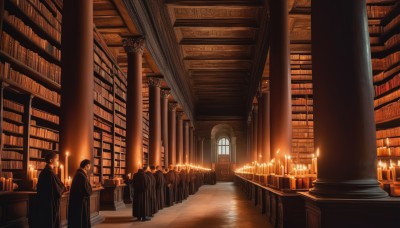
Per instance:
(165,92)
(179,115)
(154,81)
(134,44)
(172,106)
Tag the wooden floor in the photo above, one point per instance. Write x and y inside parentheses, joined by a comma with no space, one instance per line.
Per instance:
(220,205)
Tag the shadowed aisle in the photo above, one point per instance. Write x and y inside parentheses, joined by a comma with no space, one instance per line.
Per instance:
(220,205)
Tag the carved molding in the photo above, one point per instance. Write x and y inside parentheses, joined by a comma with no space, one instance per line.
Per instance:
(165,93)
(179,115)
(134,44)
(172,106)
(154,81)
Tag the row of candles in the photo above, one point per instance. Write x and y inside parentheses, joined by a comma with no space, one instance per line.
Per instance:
(388,172)
(6,183)
(191,166)
(287,167)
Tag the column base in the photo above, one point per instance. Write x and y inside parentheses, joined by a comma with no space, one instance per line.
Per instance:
(339,212)
(353,189)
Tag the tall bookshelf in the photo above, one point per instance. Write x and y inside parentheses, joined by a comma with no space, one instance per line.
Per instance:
(302,108)
(145,139)
(109,114)
(30,75)
(384,27)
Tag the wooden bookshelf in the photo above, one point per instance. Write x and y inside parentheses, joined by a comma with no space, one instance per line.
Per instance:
(386,79)
(30,76)
(302,108)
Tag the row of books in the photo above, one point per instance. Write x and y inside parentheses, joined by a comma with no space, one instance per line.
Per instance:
(378,11)
(106,171)
(387,98)
(107,137)
(46,145)
(30,58)
(13,127)
(393,41)
(120,80)
(302,71)
(12,140)
(102,100)
(302,86)
(37,164)
(12,155)
(302,91)
(35,153)
(375,29)
(100,124)
(12,116)
(102,73)
(96,161)
(107,69)
(303,135)
(52,6)
(120,131)
(385,151)
(388,142)
(101,58)
(302,123)
(35,38)
(119,171)
(392,83)
(44,133)
(385,74)
(107,155)
(13,105)
(119,121)
(50,25)
(386,62)
(301,77)
(103,113)
(30,84)
(121,93)
(120,108)
(103,88)
(120,142)
(12,164)
(96,143)
(394,22)
(120,156)
(300,57)
(387,133)
(388,112)
(106,162)
(302,116)
(302,101)
(53,20)
(45,116)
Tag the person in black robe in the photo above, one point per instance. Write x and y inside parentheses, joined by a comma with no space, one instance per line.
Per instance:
(49,192)
(139,188)
(160,188)
(170,184)
(152,192)
(79,198)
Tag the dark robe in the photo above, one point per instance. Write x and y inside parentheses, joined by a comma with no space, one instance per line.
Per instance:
(79,201)
(182,185)
(49,192)
(177,187)
(170,184)
(139,188)
(159,190)
(152,193)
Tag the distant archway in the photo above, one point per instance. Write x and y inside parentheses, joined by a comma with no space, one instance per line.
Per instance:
(223,151)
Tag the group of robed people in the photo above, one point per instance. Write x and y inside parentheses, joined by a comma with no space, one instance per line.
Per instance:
(153,188)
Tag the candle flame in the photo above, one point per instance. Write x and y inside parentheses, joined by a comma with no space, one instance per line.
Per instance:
(67,153)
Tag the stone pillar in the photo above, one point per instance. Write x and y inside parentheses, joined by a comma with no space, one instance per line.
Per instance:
(345,133)
(165,92)
(233,149)
(77,82)
(281,96)
(260,129)
(172,133)
(154,121)
(134,104)
(191,146)
(186,143)
(202,152)
(179,138)
(254,156)
(266,144)
(249,139)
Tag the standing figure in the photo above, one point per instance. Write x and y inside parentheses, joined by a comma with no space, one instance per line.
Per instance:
(160,188)
(49,192)
(79,198)
(139,188)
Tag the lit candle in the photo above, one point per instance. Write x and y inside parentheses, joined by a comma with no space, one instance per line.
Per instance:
(69,181)
(66,164)
(56,168)
(379,173)
(62,174)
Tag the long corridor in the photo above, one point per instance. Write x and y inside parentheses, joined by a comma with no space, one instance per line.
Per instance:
(221,205)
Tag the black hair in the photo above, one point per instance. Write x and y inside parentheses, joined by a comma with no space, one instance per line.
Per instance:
(50,155)
(152,167)
(84,163)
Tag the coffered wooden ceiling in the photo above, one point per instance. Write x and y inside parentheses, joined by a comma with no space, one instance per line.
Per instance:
(212,53)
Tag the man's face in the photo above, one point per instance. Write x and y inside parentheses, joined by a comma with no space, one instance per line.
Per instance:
(87,167)
(55,160)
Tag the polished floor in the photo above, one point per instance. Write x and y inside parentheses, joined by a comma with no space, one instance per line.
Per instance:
(220,205)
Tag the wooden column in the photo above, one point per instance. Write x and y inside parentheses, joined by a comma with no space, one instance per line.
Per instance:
(154,121)
(260,129)
(254,134)
(77,82)
(191,146)
(249,139)
(172,133)
(343,101)
(266,143)
(134,105)
(280,83)
(165,92)
(186,143)
(179,137)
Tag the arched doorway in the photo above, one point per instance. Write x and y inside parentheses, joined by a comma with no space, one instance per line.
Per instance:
(223,151)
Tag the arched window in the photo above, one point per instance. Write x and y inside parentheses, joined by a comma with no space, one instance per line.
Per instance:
(223,146)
